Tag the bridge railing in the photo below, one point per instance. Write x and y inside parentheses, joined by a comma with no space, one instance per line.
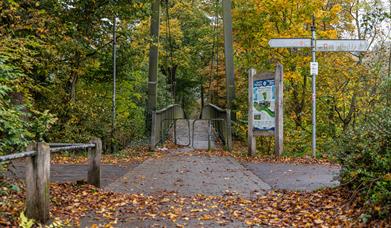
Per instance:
(223,128)
(162,120)
(38,172)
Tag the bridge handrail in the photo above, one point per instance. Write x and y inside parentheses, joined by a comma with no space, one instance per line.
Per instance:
(162,120)
(167,108)
(217,108)
(224,128)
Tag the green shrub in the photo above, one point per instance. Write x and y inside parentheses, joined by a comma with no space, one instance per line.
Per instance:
(20,123)
(366,159)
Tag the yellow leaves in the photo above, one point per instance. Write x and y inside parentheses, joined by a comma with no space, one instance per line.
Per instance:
(172,216)
(152,215)
(318,221)
(387,177)
(377,208)
(336,9)
(328,34)
(196,210)
(206,217)
(165,200)
(294,76)
(249,222)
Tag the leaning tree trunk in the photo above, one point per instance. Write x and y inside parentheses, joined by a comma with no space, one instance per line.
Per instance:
(75,77)
(73,87)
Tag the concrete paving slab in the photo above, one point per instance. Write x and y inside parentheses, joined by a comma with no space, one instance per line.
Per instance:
(189,175)
(302,177)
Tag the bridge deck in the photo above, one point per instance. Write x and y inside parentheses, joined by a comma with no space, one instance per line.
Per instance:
(200,134)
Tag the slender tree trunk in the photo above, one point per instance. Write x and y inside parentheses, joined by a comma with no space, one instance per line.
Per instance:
(202,96)
(113,110)
(73,87)
(75,77)
(389,61)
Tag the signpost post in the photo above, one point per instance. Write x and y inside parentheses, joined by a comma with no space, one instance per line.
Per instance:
(323,46)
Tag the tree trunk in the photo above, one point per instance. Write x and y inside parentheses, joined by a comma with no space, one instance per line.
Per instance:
(73,87)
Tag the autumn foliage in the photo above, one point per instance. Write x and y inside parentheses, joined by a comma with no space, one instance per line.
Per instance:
(56,83)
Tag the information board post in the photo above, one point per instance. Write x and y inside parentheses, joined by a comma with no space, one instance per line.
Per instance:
(251,138)
(265,109)
(279,131)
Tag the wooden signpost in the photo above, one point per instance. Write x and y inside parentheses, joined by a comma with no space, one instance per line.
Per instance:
(265,109)
(323,46)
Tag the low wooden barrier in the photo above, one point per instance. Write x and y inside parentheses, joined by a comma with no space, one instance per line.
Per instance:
(38,172)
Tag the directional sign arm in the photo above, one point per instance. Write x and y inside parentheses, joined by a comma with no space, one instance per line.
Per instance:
(341,45)
(290,43)
(321,45)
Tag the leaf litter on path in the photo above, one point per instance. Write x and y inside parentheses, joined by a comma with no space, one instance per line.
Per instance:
(71,202)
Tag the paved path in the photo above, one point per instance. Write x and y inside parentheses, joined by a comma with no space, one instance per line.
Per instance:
(278,176)
(189,175)
(300,177)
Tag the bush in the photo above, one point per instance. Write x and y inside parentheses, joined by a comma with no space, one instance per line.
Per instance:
(20,123)
(366,160)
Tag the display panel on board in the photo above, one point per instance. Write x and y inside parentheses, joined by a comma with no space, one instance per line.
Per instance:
(264,97)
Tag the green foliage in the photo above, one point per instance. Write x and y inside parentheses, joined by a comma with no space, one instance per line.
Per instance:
(366,159)
(19,122)
(13,130)
(59,59)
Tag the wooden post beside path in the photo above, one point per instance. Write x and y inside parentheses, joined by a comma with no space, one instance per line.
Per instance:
(94,160)
(37,183)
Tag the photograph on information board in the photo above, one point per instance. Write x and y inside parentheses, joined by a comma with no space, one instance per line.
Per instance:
(264,105)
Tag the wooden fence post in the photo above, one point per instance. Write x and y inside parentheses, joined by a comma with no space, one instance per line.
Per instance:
(94,158)
(37,183)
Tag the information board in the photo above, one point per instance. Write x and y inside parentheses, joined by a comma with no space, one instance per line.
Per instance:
(265,108)
(264,100)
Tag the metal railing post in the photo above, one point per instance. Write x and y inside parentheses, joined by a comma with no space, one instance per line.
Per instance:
(209,134)
(229,130)
(175,132)
(154,131)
